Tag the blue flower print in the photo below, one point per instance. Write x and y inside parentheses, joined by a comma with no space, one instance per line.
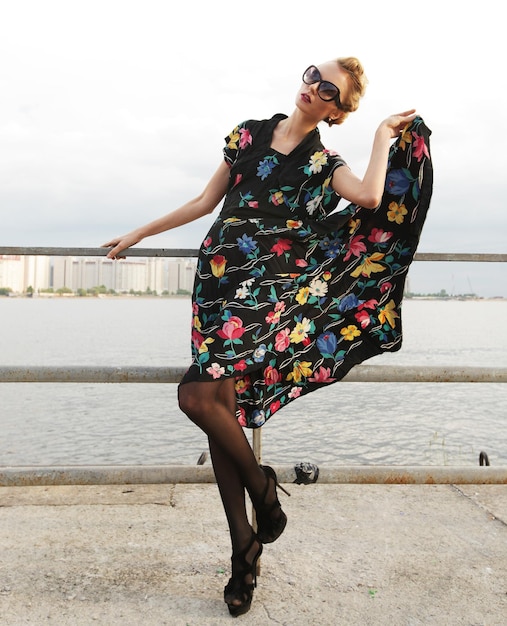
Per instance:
(326,343)
(350,301)
(260,353)
(258,417)
(397,182)
(331,247)
(266,167)
(246,244)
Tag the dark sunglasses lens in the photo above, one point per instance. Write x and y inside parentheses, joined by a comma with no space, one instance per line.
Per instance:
(311,75)
(328,91)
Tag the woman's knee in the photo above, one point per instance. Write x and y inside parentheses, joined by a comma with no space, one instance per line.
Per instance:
(191,399)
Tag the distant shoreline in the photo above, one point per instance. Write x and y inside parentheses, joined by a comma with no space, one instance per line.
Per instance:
(127,296)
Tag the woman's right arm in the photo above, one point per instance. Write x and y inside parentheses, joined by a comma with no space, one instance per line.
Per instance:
(201,205)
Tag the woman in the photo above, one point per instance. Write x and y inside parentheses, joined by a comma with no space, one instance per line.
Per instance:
(288,297)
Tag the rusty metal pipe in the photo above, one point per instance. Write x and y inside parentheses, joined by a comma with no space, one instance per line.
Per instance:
(191,474)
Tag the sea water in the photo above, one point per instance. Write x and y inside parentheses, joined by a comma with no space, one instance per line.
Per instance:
(345,423)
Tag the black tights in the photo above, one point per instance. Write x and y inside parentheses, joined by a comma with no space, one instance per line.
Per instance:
(212,406)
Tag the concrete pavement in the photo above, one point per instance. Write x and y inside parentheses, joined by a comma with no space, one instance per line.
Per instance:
(360,555)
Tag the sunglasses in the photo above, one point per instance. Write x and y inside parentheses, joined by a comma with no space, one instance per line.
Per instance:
(326,90)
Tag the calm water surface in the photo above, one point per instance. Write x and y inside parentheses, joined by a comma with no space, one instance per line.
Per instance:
(346,423)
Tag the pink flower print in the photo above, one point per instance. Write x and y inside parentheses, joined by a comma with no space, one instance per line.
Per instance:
(368,304)
(273,317)
(253,204)
(277,198)
(378,235)
(197,339)
(282,340)
(322,375)
(355,247)
(301,263)
(246,138)
(385,287)
(271,376)
(242,384)
(419,147)
(237,180)
(240,366)
(216,371)
(274,406)
(363,317)
(232,329)
(207,242)
(241,417)
(295,392)
(281,246)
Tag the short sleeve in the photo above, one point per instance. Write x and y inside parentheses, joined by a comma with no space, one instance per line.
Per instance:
(236,141)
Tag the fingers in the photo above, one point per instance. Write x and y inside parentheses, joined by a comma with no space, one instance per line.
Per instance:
(116,247)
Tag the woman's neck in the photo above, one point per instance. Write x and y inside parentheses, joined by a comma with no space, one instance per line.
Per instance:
(290,132)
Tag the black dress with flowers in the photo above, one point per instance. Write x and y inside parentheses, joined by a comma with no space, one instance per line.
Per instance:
(288,295)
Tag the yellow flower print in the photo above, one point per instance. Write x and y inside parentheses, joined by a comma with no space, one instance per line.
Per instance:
(354,225)
(317,162)
(218,263)
(388,314)
(234,138)
(350,332)
(302,295)
(369,266)
(294,223)
(277,198)
(396,212)
(204,345)
(301,370)
(300,332)
(197,323)
(406,137)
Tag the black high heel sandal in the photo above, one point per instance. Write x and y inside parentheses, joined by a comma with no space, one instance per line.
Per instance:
(269,525)
(238,588)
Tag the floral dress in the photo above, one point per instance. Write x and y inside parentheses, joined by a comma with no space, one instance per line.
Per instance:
(290,294)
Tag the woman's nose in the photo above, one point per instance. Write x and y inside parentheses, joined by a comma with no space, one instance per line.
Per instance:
(314,87)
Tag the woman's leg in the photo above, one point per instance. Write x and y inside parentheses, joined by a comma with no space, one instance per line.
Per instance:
(212,407)
(230,485)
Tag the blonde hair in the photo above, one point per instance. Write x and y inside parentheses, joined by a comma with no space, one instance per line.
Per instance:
(357,87)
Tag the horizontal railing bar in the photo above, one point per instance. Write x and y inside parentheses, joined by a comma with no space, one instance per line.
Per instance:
(190,474)
(191,252)
(140,374)
(89,252)
(461,257)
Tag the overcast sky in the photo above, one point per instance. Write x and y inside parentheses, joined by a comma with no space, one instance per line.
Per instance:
(113,112)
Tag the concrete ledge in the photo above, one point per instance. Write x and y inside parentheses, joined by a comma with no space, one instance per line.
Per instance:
(197,474)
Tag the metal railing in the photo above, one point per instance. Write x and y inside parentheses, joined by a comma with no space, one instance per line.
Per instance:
(197,474)
(192,252)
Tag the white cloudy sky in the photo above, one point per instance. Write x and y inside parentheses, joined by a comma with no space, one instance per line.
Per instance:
(113,112)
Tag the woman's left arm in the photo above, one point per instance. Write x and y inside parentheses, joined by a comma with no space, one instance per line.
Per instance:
(368,192)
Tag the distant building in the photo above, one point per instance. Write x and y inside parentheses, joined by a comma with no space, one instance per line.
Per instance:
(160,275)
(20,272)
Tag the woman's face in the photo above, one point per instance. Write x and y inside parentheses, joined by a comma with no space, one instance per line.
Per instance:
(308,99)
